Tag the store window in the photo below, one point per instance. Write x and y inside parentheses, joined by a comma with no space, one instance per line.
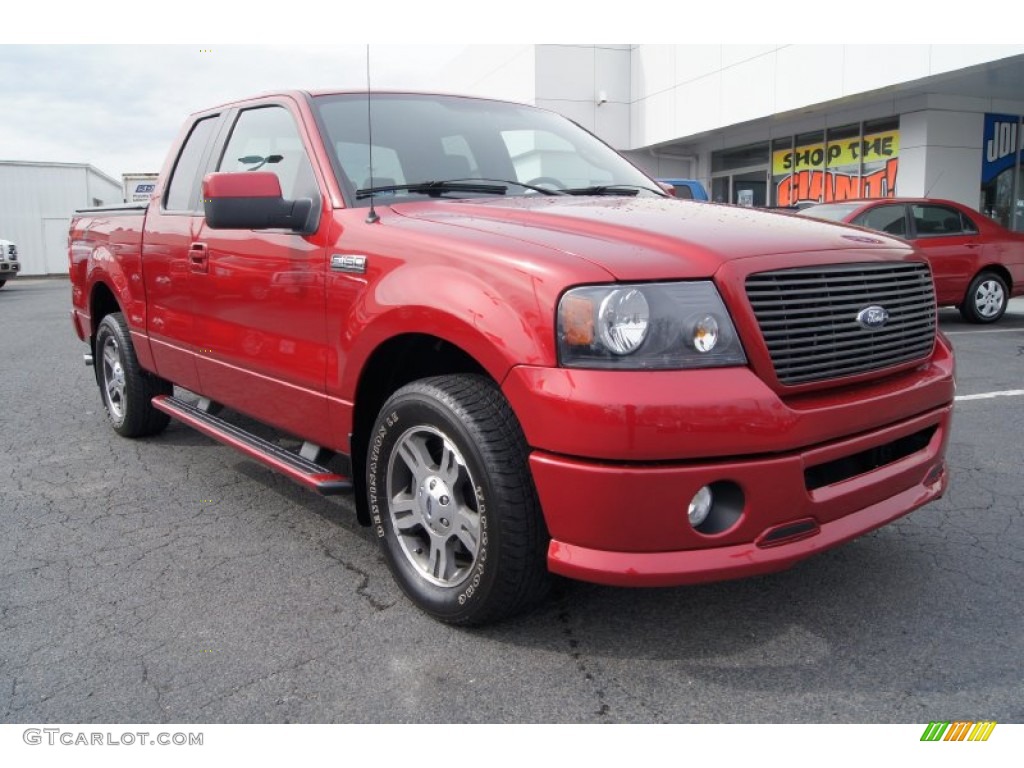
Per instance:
(879,155)
(846,162)
(720,189)
(740,175)
(740,157)
(781,148)
(1002,178)
(842,181)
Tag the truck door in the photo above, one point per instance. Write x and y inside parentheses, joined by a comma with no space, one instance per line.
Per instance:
(171,224)
(259,306)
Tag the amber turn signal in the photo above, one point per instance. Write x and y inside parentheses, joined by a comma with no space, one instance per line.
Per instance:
(578,320)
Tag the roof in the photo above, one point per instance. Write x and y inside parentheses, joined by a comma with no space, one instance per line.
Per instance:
(44,164)
(301,95)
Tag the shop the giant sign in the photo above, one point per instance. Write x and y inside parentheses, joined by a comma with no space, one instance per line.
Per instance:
(833,172)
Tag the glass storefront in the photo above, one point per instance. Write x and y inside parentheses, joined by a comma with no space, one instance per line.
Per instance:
(740,175)
(1002,173)
(843,163)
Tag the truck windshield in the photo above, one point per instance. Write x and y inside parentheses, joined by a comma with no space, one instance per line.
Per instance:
(438,146)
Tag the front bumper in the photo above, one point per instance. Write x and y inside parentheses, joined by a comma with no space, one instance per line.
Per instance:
(627,525)
(617,457)
(9,269)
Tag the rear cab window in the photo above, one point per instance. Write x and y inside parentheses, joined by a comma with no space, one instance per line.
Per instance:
(183,189)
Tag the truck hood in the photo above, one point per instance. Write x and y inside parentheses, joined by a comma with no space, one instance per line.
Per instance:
(648,238)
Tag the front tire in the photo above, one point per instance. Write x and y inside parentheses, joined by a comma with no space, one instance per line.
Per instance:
(986,298)
(126,389)
(453,502)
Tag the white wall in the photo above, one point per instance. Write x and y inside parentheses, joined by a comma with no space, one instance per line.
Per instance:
(565,78)
(680,91)
(32,194)
(940,155)
(494,71)
(589,84)
(941,146)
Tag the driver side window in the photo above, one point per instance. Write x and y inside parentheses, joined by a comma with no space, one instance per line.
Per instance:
(266,139)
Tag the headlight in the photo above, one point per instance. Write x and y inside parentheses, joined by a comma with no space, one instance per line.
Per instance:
(650,325)
(622,320)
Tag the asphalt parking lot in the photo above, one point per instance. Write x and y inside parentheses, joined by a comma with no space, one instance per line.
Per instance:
(172,580)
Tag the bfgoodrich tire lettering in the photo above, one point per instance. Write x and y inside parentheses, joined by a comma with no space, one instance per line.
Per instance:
(126,389)
(453,503)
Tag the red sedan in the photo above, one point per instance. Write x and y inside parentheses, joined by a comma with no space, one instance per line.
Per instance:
(977,264)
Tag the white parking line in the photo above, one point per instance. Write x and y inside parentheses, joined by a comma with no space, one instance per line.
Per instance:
(987,395)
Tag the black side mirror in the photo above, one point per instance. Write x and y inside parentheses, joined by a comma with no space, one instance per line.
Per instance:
(252,200)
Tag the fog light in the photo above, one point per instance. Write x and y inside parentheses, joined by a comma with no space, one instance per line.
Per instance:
(700,506)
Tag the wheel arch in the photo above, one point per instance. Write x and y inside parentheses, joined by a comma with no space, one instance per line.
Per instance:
(102,302)
(394,363)
(998,269)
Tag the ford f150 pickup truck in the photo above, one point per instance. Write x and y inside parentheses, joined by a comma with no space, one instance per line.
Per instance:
(521,356)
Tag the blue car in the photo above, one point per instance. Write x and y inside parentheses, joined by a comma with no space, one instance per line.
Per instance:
(687,189)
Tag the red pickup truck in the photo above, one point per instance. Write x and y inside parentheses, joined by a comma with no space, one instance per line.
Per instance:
(521,355)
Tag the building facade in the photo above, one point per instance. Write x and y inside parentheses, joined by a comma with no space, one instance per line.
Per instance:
(777,125)
(37,201)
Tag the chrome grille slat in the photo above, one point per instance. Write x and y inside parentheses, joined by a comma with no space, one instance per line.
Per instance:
(808,318)
(855,306)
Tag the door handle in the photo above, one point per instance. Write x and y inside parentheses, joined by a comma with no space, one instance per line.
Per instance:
(972,245)
(199,258)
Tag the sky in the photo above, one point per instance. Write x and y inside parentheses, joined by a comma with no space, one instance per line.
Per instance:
(119,106)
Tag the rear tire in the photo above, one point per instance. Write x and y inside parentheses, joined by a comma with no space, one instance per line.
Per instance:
(453,502)
(127,390)
(986,298)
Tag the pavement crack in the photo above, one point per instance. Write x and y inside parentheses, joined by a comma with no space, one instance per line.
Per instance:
(603,708)
(10,704)
(152,683)
(364,585)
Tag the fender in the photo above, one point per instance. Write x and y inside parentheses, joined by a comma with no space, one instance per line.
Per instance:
(107,252)
(496,325)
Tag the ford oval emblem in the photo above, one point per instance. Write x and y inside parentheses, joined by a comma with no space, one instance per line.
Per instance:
(873,317)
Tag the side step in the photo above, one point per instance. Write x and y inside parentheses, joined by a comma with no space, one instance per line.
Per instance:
(299,469)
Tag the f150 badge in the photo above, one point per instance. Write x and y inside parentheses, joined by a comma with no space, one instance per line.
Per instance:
(348,263)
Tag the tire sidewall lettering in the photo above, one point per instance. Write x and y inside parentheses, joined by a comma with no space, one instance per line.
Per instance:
(373,471)
(481,556)
(398,417)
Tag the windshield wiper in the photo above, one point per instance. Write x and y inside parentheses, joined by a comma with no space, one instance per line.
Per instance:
(630,190)
(435,188)
(469,184)
(542,190)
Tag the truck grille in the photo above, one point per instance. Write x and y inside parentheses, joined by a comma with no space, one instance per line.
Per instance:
(808,317)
